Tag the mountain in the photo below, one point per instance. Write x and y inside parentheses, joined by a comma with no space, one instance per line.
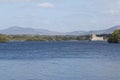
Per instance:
(76,33)
(105,31)
(31,31)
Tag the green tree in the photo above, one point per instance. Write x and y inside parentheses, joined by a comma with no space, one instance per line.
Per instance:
(4,38)
(115,37)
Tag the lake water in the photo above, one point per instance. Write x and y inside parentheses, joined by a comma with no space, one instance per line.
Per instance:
(71,60)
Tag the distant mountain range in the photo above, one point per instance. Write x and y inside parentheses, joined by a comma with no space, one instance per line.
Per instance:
(31,31)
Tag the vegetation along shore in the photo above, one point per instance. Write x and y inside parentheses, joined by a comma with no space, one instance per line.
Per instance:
(115,37)
(8,38)
(111,38)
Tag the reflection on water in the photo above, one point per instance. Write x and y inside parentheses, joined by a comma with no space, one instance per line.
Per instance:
(59,61)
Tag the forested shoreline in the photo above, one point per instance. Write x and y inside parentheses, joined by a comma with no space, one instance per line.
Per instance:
(115,37)
(9,38)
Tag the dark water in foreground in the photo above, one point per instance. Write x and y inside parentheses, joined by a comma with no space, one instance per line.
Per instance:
(59,61)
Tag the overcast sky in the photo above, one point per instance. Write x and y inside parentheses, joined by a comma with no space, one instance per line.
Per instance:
(60,15)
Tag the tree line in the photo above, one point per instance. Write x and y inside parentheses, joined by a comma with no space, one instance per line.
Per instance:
(115,37)
(7,38)
(112,38)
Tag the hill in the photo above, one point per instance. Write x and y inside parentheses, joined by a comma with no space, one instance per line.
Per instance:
(30,31)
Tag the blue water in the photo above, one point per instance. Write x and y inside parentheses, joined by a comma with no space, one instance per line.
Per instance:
(82,60)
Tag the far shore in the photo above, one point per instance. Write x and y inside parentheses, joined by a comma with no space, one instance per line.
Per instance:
(26,38)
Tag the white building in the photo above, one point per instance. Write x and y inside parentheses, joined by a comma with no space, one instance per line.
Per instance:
(96,38)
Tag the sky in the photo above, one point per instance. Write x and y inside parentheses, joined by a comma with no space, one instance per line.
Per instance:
(60,15)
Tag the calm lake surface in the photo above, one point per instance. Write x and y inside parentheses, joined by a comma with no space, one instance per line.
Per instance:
(71,60)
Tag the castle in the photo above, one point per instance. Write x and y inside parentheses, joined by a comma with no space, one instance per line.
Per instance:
(96,38)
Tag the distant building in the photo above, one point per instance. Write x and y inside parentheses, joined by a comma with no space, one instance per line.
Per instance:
(96,38)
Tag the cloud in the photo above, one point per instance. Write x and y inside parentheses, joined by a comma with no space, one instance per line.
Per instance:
(46,5)
(15,0)
(113,9)
(113,12)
